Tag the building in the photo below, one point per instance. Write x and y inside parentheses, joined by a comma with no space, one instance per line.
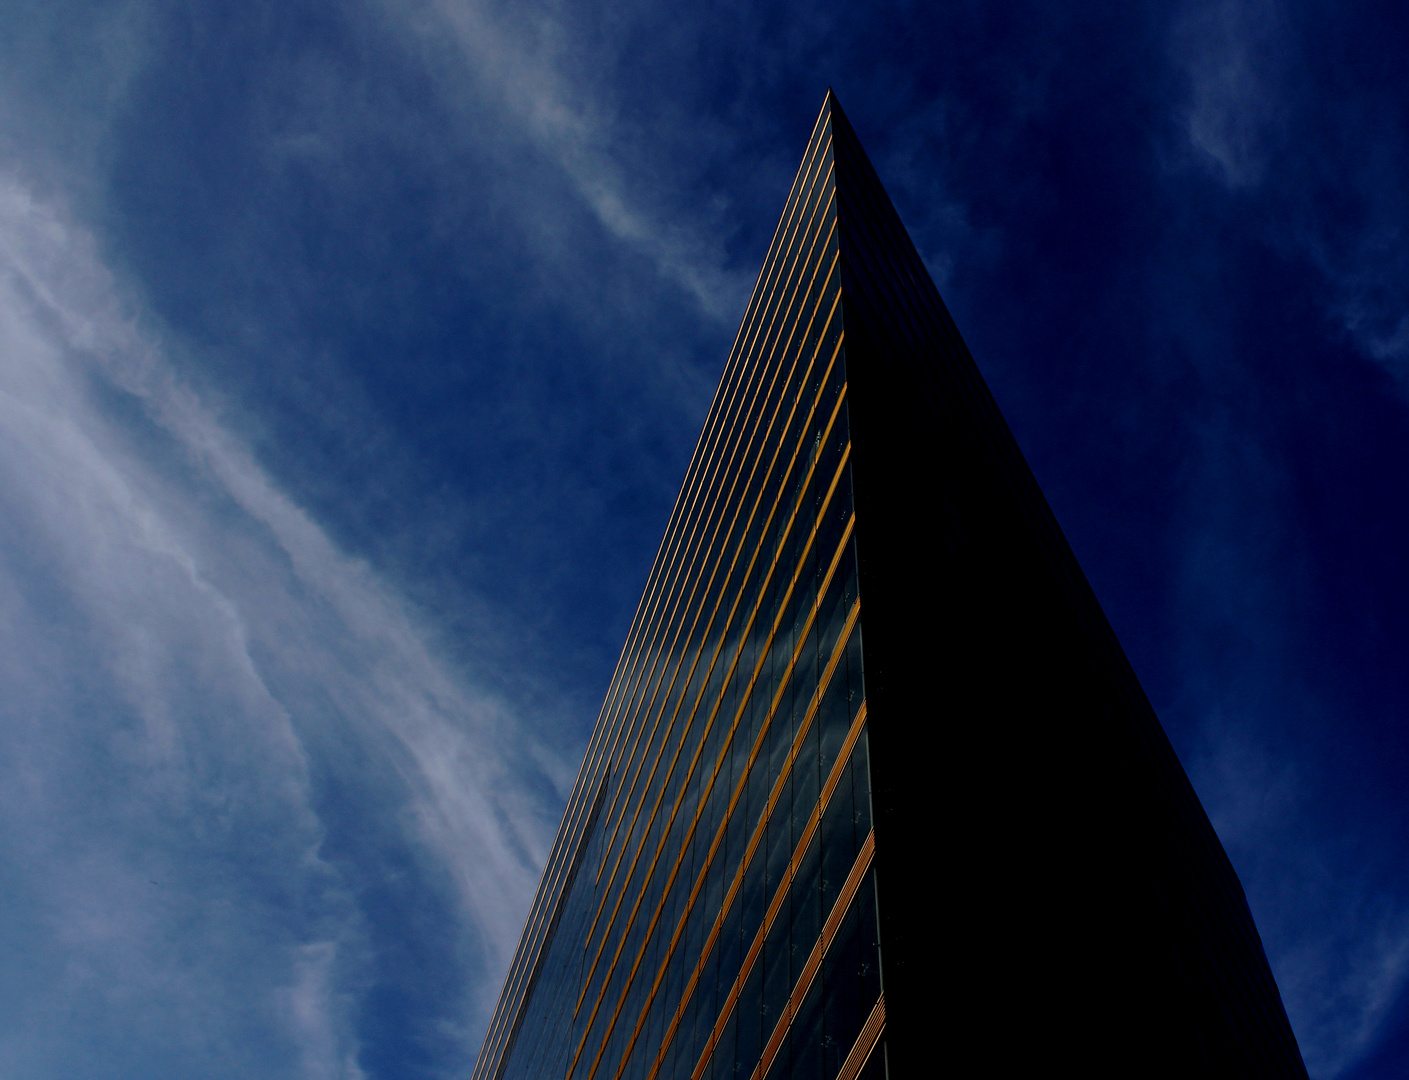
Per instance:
(874,790)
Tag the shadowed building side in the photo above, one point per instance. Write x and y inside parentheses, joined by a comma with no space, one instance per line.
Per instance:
(1050,886)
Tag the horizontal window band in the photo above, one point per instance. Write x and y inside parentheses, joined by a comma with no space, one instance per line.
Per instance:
(764,653)
(839,767)
(730,427)
(744,700)
(783,606)
(768,577)
(865,1042)
(662,657)
(814,961)
(493,1058)
(755,841)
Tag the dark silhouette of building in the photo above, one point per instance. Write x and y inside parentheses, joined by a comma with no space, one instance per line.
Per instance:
(874,790)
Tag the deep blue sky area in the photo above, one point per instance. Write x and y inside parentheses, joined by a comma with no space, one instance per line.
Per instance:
(351,356)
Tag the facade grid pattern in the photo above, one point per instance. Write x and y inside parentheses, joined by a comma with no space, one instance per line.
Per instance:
(709,908)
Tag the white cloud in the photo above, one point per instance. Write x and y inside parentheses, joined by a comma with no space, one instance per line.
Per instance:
(312,1008)
(181,646)
(1367,272)
(1228,49)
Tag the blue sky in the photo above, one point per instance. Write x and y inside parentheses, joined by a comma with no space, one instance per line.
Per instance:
(350,357)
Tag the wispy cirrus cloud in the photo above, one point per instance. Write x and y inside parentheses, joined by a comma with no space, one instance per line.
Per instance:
(222,738)
(1332,907)
(1231,52)
(1330,904)
(517,58)
(1251,114)
(1336,927)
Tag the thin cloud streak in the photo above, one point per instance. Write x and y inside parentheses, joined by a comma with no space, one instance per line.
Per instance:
(1229,49)
(519,62)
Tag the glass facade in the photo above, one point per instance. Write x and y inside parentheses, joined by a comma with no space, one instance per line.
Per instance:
(709,909)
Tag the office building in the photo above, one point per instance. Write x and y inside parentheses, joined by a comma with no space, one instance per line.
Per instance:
(874,791)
